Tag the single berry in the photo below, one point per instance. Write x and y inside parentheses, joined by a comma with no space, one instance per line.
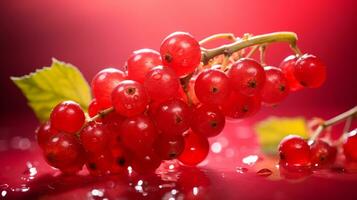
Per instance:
(140,62)
(196,149)
(67,116)
(294,152)
(94,137)
(168,147)
(207,120)
(276,87)
(247,76)
(98,165)
(121,159)
(181,52)
(288,66)
(44,132)
(145,163)
(310,71)
(129,98)
(350,146)
(212,86)
(93,108)
(241,106)
(322,154)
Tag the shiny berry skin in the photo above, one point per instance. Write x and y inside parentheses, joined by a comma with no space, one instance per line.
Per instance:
(67,116)
(207,120)
(129,98)
(94,137)
(120,158)
(241,106)
(168,147)
(322,154)
(63,151)
(140,62)
(145,163)
(138,133)
(196,149)
(276,87)
(181,52)
(93,108)
(247,76)
(310,71)
(288,66)
(43,133)
(294,152)
(212,86)
(173,117)
(104,83)
(161,83)
(98,165)
(350,146)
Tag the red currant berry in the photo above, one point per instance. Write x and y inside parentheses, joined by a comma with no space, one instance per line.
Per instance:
(173,117)
(93,108)
(145,163)
(121,159)
(196,149)
(140,62)
(67,116)
(247,76)
(350,146)
(43,133)
(294,152)
(104,83)
(241,106)
(322,154)
(276,86)
(138,133)
(212,86)
(161,83)
(288,68)
(63,151)
(98,165)
(207,120)
(129,98)
(94,137)
(181,52)
(168,147)
(310,71)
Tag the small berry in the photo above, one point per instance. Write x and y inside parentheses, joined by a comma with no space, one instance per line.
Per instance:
(310,71)
(94,137)
(98,165)
(93,108)
(276,86)
(68,117)
(44,132)
(241,106)
(322,154)
(350,146)
(196,149)
(207,120)
(168,147)
(288,66)
(145,163)
(294,152)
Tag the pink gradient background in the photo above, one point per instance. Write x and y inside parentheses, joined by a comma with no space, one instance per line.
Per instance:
(95,34)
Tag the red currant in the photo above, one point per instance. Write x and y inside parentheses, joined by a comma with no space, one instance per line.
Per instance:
(168,147)
(294,152)
(276,86)
(241,106)
(104,83)
(98,165)
(93,108)
(322,154)
(310,71)
(212,86)
(350,146)
(247,76)
(68,117)
(181,52)
(288,67)
(94,137)
(196,149)
(129,98)
(161,83)
(145,163)
(121,159)
(207,120)
(140,62)
(43,133)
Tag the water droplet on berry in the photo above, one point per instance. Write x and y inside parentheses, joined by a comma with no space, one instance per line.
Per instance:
(241,170)
(250,160)
(264,172)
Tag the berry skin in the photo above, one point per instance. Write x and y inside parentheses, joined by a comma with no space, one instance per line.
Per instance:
(310,71)
(196,149)
(173,117)
(120,159)
(288,66)
(43,133)
(241,106)
(212,86)
(63,151)
(138,133)
(247,76)
(94,137)
(140,62)
(161,83)
(322,154)
(294,152)
(181,52)
(93,108)
(68,117)
(207,120)
(104,83)
(168,147)
(129,98)
(145,163)
(350,146)
(98,165)
(276,87)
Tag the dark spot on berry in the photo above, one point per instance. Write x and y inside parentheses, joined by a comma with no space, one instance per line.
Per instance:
(215,90)
(172,155)
(322,158)
(168,57)
(51,157)
(130,91)
(178,119)
(252,84)
(282,156)
(118,139)
(121,161)
(213,124)
(245,109)
(282,88)
(303,83)
(92,166)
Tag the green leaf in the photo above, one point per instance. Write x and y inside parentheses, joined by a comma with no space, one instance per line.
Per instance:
(48,86)
(272,130)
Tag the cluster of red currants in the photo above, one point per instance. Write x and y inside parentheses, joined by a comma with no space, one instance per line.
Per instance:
(165,106)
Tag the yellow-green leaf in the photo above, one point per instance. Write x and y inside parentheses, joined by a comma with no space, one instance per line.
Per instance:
(48,86)
(272,130)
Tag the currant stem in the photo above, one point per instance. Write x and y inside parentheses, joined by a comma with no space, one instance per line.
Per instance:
(262,49)
(228,36)
(252,51)
(101,114)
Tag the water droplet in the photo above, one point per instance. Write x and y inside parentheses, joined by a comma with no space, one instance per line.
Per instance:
(241,170)
(128,106)
(136,97)
(264,172)
(216,147)
(3,193)
(250,160)
(156,76)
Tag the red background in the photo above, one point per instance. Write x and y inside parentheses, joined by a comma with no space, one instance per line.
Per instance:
(94,34)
